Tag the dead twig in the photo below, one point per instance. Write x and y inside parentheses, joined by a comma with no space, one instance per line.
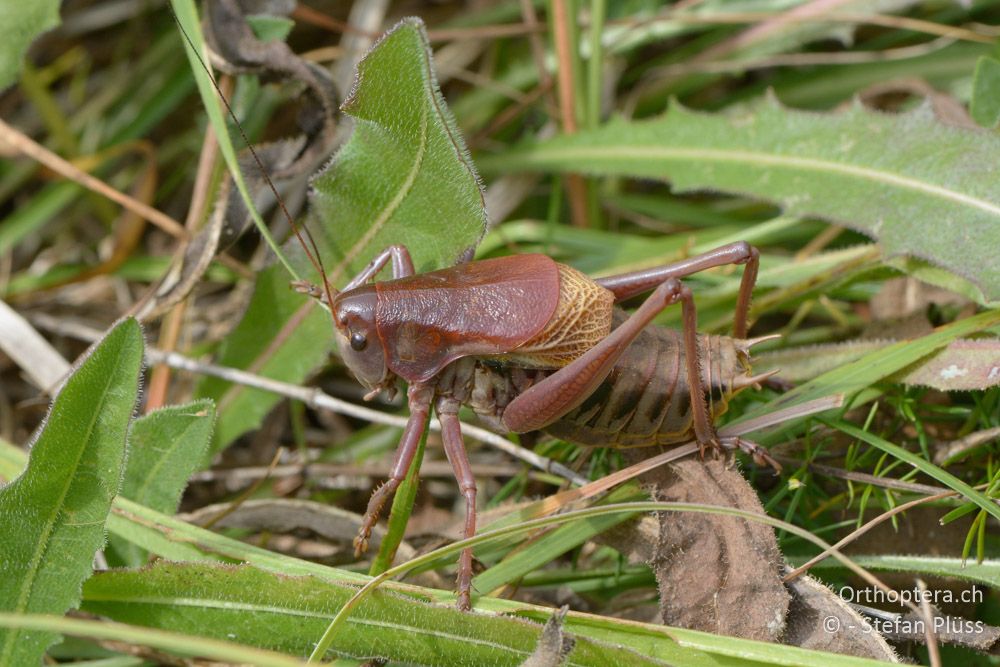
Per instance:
(30,148)
(575,187)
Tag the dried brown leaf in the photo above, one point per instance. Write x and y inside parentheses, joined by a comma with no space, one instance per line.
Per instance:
(717,574)
(554,645)
(819,619)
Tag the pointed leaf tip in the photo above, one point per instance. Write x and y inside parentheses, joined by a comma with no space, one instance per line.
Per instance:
(404,176)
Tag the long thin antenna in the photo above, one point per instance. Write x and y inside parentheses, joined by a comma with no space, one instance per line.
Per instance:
(313,255)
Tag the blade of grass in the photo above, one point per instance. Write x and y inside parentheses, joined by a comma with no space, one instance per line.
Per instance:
(171,642)
(399,515)
(987,572)
(917,462)
(194,45)
(534,555)
(595,64)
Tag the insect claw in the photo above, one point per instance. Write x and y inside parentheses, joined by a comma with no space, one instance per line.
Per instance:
(360,543)
(372,394)
(759,454)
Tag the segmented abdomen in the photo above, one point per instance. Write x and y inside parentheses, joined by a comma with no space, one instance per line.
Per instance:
(646,400)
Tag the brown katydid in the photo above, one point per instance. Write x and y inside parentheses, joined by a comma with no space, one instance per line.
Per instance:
(530,344)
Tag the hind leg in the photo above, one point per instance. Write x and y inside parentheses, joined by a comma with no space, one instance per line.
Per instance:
(628,285)
(562,391)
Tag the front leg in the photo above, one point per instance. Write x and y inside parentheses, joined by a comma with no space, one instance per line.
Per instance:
(419,397)
(402,266)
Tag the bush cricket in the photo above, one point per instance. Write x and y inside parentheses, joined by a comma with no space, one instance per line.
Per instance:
(531,344)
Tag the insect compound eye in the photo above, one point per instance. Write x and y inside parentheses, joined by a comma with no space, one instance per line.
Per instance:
(358,342)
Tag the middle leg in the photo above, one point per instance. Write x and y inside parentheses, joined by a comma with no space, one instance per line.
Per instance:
(454,449)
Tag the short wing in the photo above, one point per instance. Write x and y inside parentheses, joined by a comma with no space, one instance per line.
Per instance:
(480,308)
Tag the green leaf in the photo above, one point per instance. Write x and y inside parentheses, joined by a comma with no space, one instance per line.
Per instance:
(52,517)
(874,366)
(987,572)
(920,187)
(249,606)
(165,449)
(283,336)
(20,24)
(405,175)
(985,104)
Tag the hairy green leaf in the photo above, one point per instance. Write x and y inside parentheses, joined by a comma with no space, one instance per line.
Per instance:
(403,177)
(165,449)
(985,104)
(987,572)
(875,366)
(20,24)
(963,365)
(920,187)
(250,606)
(52,516)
